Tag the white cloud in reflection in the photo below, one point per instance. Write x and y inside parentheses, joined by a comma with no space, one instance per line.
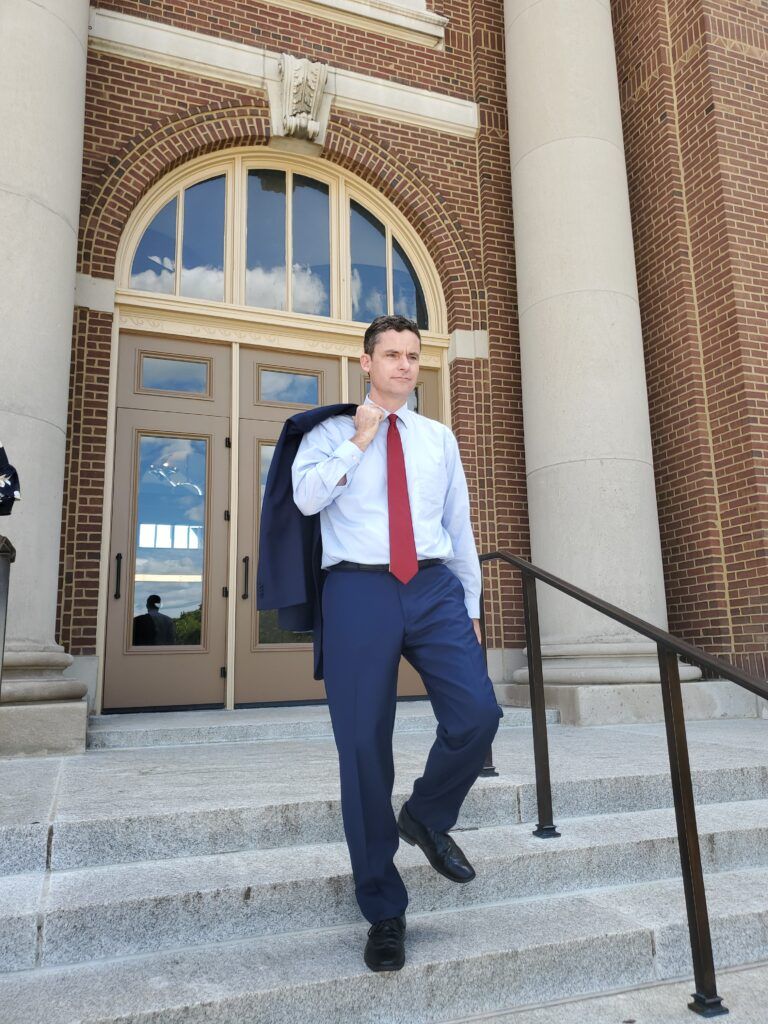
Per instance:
(357,288)
(373,303)
(405,306)
(309,291)
(151,281)
(173,563)
(265,288)
(203,283)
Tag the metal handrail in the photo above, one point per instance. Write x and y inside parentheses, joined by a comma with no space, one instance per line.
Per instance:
(7,555)
(706,1001)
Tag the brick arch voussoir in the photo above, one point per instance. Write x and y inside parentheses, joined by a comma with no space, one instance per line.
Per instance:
(105,211)
(390,174)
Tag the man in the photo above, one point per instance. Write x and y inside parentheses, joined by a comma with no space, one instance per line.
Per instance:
(153,628)
(403,577)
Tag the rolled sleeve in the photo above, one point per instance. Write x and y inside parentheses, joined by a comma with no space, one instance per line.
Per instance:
(318,467)
(348,452)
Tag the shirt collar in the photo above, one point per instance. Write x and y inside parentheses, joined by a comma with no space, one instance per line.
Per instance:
(403,413)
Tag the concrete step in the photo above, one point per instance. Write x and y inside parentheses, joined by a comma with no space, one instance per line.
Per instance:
(469,961)
(120,910)
(743,990)
(119,806)
(249,725)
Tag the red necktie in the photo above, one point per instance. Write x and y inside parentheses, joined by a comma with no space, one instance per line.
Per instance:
(402,547)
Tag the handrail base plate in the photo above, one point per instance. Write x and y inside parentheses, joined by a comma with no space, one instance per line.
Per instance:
(707,1006)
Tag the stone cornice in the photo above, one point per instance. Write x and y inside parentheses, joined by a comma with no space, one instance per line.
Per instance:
(257,68)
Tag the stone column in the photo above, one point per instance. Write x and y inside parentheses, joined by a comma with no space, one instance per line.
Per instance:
(591,492)
(43,48)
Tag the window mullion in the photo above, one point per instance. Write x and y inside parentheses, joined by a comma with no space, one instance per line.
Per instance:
(179,240)
(345,254)
(388,255)
(289,241)
(234,227)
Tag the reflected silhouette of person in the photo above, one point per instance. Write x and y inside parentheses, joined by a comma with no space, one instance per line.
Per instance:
(153,628)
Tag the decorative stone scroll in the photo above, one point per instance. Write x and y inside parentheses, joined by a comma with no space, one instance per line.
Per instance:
(303,85)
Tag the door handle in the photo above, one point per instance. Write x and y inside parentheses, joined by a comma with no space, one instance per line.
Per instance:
(246,563)
(118,568)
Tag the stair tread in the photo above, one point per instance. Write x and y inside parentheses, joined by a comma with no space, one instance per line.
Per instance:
(97,884)
(254,724)
(148,803)
(610,929)
(124,909)
(294,961)
(743,990)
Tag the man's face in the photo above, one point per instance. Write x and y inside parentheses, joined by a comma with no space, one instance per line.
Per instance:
(394,365)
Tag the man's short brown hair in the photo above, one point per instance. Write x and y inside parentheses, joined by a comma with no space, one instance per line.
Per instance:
(387,323)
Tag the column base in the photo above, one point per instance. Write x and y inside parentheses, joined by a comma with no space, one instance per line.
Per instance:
(626,703)
(602,663)
(40,729)
(35,675)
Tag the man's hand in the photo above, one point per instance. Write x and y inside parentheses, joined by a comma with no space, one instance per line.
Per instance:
(478,634)
(367,422)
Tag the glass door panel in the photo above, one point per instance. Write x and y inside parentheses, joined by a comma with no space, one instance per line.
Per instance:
(170,531)
(166,618)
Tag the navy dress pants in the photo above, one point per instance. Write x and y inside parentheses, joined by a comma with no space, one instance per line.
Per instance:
(369,619)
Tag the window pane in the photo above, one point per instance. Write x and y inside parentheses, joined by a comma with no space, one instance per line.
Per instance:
(369,264)
(281,386)
(406,290)
(202,270)
(311,282)
(265,240)
(174,374)
(170,541)
(268,630)
(266,451)
(154,262)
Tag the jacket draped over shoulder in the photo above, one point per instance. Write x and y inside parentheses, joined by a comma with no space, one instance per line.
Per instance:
(289,575)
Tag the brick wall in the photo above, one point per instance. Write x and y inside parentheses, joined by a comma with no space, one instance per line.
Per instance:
(79,567)
(142,121)
(694,92)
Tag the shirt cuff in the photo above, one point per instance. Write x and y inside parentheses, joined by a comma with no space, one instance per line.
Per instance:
(348,453)
(473,608)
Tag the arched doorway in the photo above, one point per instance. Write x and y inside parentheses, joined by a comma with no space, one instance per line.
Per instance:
(218,343)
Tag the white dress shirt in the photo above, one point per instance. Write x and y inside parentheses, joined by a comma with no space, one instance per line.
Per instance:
(354,516)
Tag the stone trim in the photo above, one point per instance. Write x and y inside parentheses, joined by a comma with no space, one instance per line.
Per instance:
(258,68)
(406,20)
(95,293)
(468,345)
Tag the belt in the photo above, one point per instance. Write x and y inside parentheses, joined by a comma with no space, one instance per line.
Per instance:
(422,563)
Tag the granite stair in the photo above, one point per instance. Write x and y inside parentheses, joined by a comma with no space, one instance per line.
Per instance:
(211,881)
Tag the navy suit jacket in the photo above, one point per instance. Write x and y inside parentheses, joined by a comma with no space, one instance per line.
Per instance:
(289,576)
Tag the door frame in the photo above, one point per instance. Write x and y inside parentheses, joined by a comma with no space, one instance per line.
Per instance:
(193,322)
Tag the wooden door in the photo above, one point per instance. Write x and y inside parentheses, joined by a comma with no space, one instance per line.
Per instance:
(169,530)
(166,620)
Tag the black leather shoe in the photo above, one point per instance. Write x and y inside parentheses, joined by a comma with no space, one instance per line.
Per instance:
(385,948)
(439,848)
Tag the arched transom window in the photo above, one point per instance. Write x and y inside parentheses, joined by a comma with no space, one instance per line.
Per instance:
(230,233)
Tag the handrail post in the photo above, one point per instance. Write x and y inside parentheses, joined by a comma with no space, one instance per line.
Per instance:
(545,828)
(7,555)
(488,770)
(706,1001)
